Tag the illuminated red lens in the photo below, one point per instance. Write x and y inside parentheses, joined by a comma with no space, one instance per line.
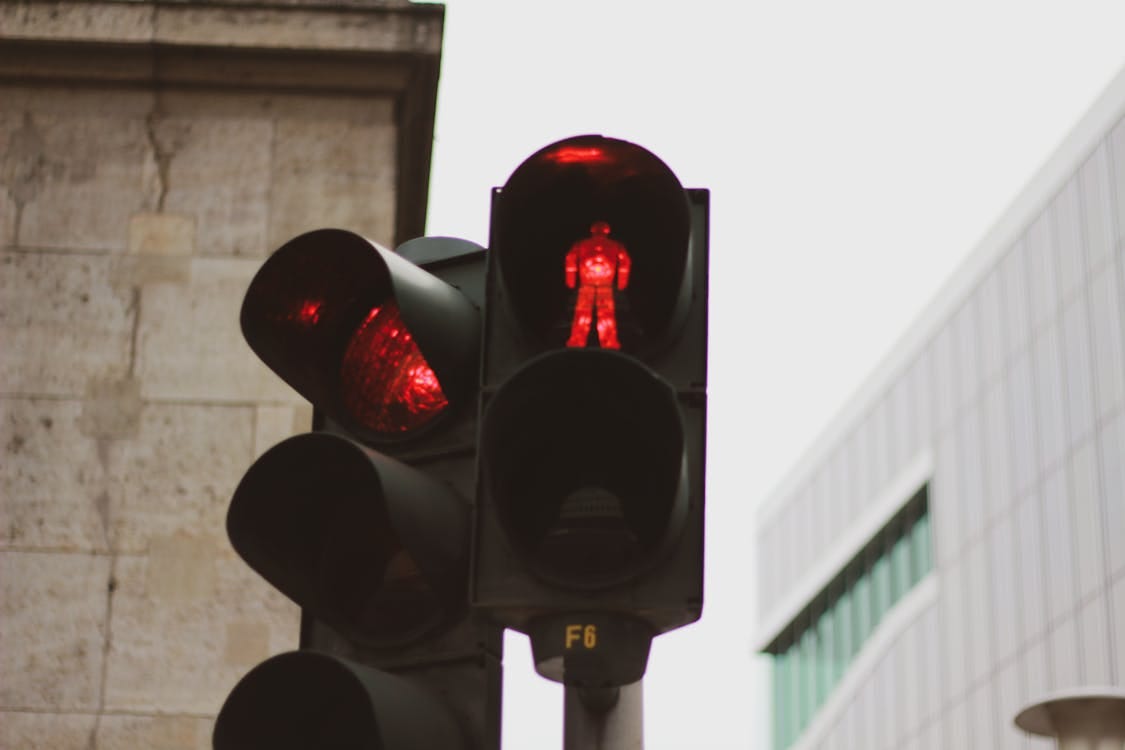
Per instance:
(578,155)
(387,384)
(309,312)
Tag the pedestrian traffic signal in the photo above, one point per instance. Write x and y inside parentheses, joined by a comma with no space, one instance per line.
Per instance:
(364,523)
(589,524)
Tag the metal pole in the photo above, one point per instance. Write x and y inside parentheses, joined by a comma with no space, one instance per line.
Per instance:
(1080,719)
(603,719)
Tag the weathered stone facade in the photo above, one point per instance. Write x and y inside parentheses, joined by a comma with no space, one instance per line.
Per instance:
(151,155)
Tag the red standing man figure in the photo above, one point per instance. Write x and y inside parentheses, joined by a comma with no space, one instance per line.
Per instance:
(591,265)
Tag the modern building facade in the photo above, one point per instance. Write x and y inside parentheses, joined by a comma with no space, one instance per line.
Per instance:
(952,548)
(152,154)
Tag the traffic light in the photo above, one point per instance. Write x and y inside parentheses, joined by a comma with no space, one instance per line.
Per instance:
(365,522)
(589,527)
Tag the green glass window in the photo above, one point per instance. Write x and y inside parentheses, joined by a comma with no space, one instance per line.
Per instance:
(806,680)
(901,577)
(861,609)
(794,690)
(783,705)
(824,642)
(842,645)
(921,561)
(880,586)
(817,647)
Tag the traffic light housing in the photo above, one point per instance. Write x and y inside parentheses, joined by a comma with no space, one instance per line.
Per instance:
(329,310)
(589,527)
(303,700)
(365,522)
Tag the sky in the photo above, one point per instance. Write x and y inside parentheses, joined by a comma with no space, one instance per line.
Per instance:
(855,153)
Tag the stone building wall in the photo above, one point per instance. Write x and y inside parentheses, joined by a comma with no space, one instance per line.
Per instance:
(151,155)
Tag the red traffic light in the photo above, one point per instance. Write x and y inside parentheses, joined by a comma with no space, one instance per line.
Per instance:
(386,383)
(590,482)
(373,548)
(591,237)
(596,265)
(376,343)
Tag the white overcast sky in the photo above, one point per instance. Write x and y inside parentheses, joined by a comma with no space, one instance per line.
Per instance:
(855,153)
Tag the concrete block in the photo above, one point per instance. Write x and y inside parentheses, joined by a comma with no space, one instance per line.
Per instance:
(8,215)
(112,409)
(22,146)
(115,475)
(181,567)
(301,202)
(53,480)
(214,166)
(40,731)
(154,733)
(60,102)
(161,234)
(177,474)
(53,625)
(13,173)
(334,165)
(129,22)
(64,322)
(160,248)
(81,178)
(299,28)
(335,136)
(133,271)
(247,643)
(190,345)
(182,650)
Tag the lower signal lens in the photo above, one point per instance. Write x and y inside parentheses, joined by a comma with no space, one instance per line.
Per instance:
(387,384)
(375,586)
(591,538)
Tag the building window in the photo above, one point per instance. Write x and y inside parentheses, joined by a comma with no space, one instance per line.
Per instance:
(813,652)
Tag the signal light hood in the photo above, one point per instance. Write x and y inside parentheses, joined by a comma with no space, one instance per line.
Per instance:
(583,455)
(374,548)
(551,201)
(329,305)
